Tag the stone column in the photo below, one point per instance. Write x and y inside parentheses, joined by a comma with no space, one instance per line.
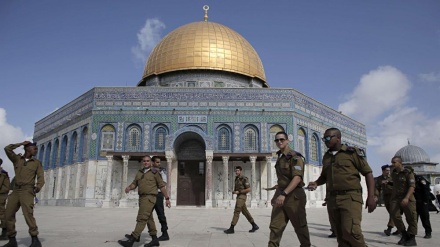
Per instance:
(225,181)
(254,202)
(124,183)
(78,179)
(106,203)
(67,187)
(59,172)
(208,178)
(169,167)
(269,180)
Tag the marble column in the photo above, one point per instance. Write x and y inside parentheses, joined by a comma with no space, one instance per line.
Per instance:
(169,158)
(208,178)
(269,180)
(106,203)
(225,181)
(123,203)
(254,202)
(67,186)
(78,179)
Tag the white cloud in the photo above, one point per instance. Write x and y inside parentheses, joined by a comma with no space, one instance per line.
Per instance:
(148,37)
(9,134)
(377,92)
(430,77)
(382,101)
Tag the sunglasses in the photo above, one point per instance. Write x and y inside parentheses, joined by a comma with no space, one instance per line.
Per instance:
(327,138)
(279,140)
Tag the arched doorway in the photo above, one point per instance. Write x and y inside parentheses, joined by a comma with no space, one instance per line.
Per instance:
(191,159)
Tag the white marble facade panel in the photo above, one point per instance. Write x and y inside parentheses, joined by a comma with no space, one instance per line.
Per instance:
(101,176)
(72,181)
(83,180)
(117,180)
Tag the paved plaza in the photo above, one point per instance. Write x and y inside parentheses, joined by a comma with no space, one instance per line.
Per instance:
(101,227)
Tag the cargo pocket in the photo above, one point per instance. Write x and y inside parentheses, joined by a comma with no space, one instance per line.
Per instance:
(357,198)
(356,231)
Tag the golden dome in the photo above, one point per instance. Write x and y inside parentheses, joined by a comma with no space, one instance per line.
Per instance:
(204,45)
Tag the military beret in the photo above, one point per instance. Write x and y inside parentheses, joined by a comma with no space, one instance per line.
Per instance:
(385,167)
(30,144)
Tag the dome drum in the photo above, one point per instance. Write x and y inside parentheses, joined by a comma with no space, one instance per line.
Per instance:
(201,78)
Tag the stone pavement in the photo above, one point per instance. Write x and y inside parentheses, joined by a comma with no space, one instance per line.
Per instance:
(195,227)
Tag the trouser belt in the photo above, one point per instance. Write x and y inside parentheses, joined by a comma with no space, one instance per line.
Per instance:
(344,192)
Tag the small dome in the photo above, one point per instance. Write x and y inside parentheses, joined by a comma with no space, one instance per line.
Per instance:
(205,45)
(413,154)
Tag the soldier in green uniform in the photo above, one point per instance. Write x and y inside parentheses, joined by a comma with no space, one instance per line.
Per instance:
(242,187)
(402,199)
(27,171)
(341,167)
(148,180)
(289,200)
(384,187)
(4,190)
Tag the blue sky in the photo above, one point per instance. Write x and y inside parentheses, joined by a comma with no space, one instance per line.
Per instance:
(376,61)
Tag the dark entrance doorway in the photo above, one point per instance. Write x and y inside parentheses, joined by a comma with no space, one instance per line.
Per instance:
(191,157)
(191,183)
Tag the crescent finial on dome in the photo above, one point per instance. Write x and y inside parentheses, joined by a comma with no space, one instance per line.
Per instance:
(206,8)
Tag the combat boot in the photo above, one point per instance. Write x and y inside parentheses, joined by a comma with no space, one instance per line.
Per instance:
(230,230)
(411,241)
(428,235)
(128,236)
(129,242)
(12,243)
(333,235)
(403,238)
(164,236)
(35,242)
(397,232)
(4,235)
(254,227)
(388,231)
(154,242)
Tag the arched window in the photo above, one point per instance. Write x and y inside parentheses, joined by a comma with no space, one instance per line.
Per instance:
(55,157)
(73,153)
(302,142)
(250,139)
(85,143)
(314,148)
(224,139)
(272,133)
(133,138)
(159,138)
(47,156)
(108,138)
(63,155)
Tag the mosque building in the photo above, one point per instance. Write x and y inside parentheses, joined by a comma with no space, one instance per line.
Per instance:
(415,157)
(204,106)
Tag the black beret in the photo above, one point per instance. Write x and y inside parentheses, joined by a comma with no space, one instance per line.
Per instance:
(385,167)
(30,144)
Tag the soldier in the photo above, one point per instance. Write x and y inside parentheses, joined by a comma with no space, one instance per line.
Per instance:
(4,190)
(422,193)
(27,169)
(289,200)
(148,180)
(341,167)
(158,207)
(384,187)
(242,187)
(402,199)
